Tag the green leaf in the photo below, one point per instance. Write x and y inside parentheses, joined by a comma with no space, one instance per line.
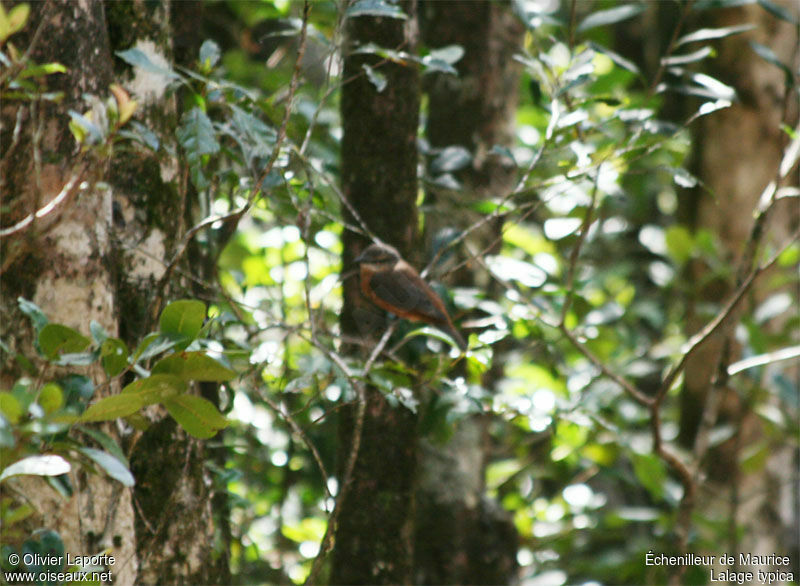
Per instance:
(707,34)
(35,314)
(113,407)
(651,472)
(114,354)
(113,467)
(18,16)
(55,339)
(138,394)
(43,465)
(680,243)
(778,11)
(183,318)
(10,407)
(43,69)
(610,16)
(377,8)
(196,134)
(199,417)
(51,398)
(156,388)
(194,366)
(137,58)
(107,442)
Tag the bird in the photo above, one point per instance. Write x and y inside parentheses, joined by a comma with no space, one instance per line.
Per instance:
(392,284)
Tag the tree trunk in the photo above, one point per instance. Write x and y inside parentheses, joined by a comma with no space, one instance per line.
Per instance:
(61,263)
(101,256)
(461,537)
(379,158)
(738,154)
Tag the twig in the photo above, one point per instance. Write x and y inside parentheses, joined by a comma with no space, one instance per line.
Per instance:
(695,341)
(576,250)
(306,440)
(237,215)
(687,8)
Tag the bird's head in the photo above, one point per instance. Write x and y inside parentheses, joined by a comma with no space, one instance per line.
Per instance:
(379,256)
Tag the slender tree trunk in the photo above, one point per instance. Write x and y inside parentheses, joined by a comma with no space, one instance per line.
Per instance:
(461,537)
(373,542)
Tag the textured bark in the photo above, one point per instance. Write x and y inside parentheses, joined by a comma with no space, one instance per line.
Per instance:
(101,256)
(462,537)
(61,263)
(154,206)
(379,158)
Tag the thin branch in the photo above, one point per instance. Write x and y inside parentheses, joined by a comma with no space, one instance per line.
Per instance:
(687,8)
(236,215)
(576,250)
(711,328)
(306,440)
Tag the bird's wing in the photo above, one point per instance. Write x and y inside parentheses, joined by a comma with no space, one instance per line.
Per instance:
(408,296)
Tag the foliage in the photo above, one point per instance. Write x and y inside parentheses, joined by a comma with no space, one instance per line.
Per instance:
(588,334)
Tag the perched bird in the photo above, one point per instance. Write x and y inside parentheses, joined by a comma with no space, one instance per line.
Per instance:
(393,284)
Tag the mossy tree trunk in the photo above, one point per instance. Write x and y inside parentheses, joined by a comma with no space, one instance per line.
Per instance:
(101,256)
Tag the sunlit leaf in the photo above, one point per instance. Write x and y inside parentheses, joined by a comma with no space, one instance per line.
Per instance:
(44,465)
(610,16)
(114,355)
(452,158)
(51,397)
(707,34)
(376,78)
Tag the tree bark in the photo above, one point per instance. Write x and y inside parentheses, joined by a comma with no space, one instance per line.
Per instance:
(61,263)
(738,153)
(462,537)
(101,256)
(379,158)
